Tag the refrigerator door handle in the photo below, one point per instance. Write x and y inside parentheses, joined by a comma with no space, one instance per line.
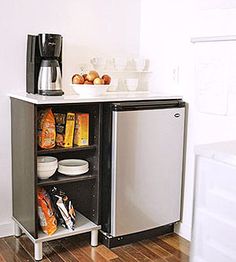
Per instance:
(132,106)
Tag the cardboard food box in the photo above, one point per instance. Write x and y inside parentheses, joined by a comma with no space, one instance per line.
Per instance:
(81,136)
(65,124)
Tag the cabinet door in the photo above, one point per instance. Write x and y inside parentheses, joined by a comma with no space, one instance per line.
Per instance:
(147,157)
(23,129)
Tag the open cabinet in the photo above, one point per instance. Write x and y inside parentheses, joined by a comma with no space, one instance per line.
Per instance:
(83,190)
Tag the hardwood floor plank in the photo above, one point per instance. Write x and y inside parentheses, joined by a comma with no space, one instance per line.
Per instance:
(62,251)
(147,252)
(123,254)
(177,242)
(117,260)
(7,253)
(29,247)
(180,255)
(173,259)
(155,248)
(2,259)
(87,249)
(18,249)
(51,254)
(76,251)
(135,254)
(106,253)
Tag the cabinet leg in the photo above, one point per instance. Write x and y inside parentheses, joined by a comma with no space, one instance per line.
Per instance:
(38,251)
(94,238)
(17,230)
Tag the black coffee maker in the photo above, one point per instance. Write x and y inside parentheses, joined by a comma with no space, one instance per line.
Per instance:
(44,64)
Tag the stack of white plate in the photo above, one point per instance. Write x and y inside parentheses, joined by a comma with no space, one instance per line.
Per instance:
(73,167)
(46,166)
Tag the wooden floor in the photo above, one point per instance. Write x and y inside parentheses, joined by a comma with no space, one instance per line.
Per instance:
(171,248)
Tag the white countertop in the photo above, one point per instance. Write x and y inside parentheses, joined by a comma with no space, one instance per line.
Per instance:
(108,97)
(223,151)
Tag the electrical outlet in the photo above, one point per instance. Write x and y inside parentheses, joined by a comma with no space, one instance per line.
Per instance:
(175,74)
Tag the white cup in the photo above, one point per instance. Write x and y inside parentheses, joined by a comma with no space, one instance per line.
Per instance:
(120,63)
(114,85)
(140,64)
(131,84)
(98,63)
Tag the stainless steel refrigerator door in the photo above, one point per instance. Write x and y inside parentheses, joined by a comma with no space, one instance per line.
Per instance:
(147,154)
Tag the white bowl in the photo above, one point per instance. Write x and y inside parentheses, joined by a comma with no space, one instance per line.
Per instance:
(46,163)
(45,174)
(73,167)
(46,166)
(90,90)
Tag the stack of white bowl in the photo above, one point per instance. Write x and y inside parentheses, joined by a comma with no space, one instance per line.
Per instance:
(46,166)
(73,167)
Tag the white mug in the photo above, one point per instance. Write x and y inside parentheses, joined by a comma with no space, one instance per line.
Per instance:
(98,62)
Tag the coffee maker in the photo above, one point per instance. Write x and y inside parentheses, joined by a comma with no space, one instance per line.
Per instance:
(44,64)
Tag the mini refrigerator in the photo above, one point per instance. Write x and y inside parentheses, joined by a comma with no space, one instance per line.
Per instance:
(142,164)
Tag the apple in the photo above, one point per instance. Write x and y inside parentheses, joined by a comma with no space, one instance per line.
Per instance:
(77,79)
(107,79)
(86,82)
(92,75)
(98,81)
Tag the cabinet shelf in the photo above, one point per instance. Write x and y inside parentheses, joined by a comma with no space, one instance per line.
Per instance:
(42,152)
(62,179)
(82,225)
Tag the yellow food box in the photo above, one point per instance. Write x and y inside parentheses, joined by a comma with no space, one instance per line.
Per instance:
(81,137)
(69,132)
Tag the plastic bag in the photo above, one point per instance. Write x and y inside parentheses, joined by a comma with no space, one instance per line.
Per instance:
(64,209)
(46,129)
(47,218)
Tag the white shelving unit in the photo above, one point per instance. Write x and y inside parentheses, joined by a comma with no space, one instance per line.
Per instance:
(130,71)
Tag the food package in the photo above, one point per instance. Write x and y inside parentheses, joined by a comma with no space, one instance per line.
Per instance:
(81,137)
(65,124)
(47,218)
(64,209)
(46,129)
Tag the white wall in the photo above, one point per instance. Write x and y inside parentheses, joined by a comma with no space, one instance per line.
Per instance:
(89,28)
(166,29)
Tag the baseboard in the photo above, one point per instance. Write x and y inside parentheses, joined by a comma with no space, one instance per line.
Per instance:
(183,230)
(6,230)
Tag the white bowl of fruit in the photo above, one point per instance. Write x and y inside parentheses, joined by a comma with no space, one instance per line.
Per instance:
(91,84)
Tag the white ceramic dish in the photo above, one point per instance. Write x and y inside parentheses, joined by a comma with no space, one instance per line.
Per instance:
(90,90)
(46,161)
(45,174)
(46,166)
(73,167)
